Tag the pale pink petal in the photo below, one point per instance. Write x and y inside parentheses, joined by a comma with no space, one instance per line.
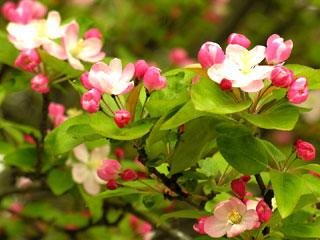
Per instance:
(127,73)
(252,204)
(79,172)
(235,230)
(75,63)
(91,186)
(257,55)
(235,53)
(272,38)
(254,86)
(71,35)
(238,205)
(100,153)
(53,25)
(23,36)
(216,72)
(81,153)
(250,219)
(91,47)
(116,68)
(55,50)
(128,89)
(215,228)
(95,58)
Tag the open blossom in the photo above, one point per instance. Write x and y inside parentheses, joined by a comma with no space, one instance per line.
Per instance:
(278,50)
(84,171)
(38,33)
(153,80)
(28,60)
(24,11)
(111,78)
(39,84)
(88,50)
(231,217)
(305,150)
(241,68)
(298,91)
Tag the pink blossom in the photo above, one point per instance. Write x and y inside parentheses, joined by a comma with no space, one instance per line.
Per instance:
(129,175)
(39,83)
(305,150)
(111,78)
(298,91)
(199,226)
(93,33)
(278,50)
(85,80)
(16,207)
(153,80)
(209,54)
(88,50)
(237,38)
(109,169)
(179,57)
(23,182)
(141,67)
(238,186)
(122,118)
(112,184)
(264,211)
(282,77)
(28,60)
(90,101)
(231,217)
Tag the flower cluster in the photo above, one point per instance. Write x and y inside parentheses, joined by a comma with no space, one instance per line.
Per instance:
(239,67)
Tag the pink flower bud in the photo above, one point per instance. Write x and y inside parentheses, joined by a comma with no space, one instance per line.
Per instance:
(152,79)
(93,33)
(239,39)
(142,175)
(305,150)
(199,226)
(264,211)
(55,110)
(109,170)
(16,207)
(71,227)
(282,77)
(122,118)
(129,175)
(140,68)
(90,101)
(85,80)
(28,60)
(245,178)
(298,91)
(179,57)
(112,184)
(29,139)
(39,83)
(144,228)
(225,84)
(278,50)
(238,186)
(119,152)
(23,182)
(8,9)
(209,54)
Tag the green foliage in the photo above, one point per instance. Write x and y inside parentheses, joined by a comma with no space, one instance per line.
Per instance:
(311,74)
(193,214)
(60,181)
(23,158)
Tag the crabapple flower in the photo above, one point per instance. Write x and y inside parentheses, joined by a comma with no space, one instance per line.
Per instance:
(24,11)
(93,33)
(84,79)
(39,33)
(112,184)
(278,50)
(88,50)
(282,77)
(210,54)
(153,80)
(199,226)
(231,217)
(122,118)
(241,68)
(264,211)
(238,186)
(28,60)
(109,169)
(129,175)
(111,78)
(84,171)
(39,83)
(144,229)
(237,38)
(305,150)
(90,101)
(140,68)
(298,91)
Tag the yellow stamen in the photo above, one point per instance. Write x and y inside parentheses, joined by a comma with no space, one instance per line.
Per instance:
(235,217)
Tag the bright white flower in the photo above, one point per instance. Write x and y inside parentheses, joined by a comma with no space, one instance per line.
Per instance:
(241,68)
(88,50)
(39,33)
(85,170)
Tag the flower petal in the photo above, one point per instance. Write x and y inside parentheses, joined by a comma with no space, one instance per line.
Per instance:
(257,55)
(254,86)
(127,73)
(250,219)
(235,230)
(100,153)
(91,47)
(53,28)
(71,35)
(79,172)
(91,186)
(81,153)
(55,50)
(215,228)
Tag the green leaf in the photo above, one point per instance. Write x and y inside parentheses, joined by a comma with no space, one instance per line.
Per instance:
(274,153)
(208,97)
(8,53)
(119,192)
(243,151)
(288,189)
(23,158)
(301,230)
(193,142)
(176,93)
(106,127)
(95,205)
(192,214)
(185,114)
(312,75)
(283,116)
(60,181)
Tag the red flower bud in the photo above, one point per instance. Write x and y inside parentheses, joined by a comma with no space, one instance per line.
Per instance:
(225,84)
(129,175)
(264,211)
(238,186)
(306,151)
(112,184)
(122,118)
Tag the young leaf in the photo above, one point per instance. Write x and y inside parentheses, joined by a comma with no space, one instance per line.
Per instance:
(23,158)
(60,181)
(311,74)
(192,214)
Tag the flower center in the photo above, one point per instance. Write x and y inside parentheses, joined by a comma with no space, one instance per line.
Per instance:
(41,28)
(245,60)
(235,217)
(94,164)
(77,48)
